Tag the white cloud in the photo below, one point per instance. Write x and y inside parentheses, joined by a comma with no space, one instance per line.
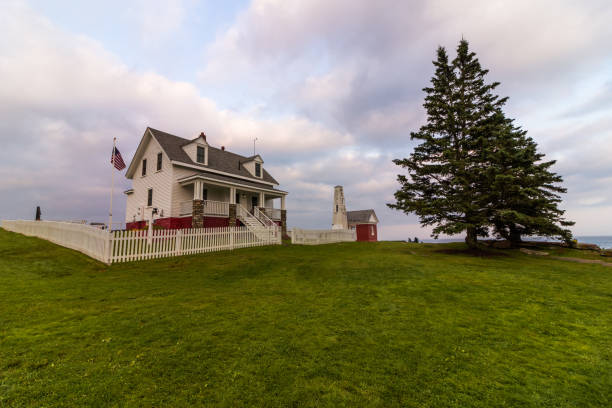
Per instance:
(157,19)
(341,84)
(361,66)
(67,97)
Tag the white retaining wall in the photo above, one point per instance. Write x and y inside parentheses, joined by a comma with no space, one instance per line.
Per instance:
(81,237)
(317,237)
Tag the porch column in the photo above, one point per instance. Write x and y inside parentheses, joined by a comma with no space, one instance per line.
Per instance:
(284,223)
(262,199)
(198,189)
(197,214)
(232,197)
(283,214)
(232,215)
(197,209)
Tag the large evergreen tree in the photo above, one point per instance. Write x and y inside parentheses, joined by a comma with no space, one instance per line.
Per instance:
(473,168)
(445,186)
(524,192)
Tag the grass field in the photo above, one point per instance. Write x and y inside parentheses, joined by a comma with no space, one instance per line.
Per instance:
(354,324)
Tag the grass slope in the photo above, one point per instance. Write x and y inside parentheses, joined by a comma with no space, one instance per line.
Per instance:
(356,324)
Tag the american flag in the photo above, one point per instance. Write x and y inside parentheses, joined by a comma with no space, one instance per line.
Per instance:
(118,162)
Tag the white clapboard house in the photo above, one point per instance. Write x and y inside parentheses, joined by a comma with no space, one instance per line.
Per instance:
(187,183)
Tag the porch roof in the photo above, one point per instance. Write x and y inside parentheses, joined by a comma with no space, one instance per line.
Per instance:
(230,181)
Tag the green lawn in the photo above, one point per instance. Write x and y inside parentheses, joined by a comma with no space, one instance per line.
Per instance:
(355,324)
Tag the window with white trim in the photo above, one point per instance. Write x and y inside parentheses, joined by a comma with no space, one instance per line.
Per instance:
(200,156)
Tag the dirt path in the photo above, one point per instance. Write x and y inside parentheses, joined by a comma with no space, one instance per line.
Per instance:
(565,258)
(580,260)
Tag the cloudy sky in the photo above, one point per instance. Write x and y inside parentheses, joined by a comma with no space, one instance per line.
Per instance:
(331,89)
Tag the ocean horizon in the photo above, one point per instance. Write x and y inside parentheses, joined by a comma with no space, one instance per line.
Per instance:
(603,241)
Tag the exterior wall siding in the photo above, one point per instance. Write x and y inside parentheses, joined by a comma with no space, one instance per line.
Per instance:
(160,181)
(181,222)
(367,232)
(180,193)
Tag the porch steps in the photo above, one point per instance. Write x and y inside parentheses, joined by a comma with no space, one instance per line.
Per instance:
(253,224)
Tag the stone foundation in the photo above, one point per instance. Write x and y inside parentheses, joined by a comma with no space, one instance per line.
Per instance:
(284,224)
(197,220)
(232,215)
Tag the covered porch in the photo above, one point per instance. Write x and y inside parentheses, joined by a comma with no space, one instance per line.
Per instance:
(212,198)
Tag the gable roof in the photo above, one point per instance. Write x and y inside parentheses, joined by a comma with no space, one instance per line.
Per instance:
(218,159)
(360,216)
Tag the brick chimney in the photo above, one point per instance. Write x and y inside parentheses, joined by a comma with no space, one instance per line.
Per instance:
(203,136)
(223,148)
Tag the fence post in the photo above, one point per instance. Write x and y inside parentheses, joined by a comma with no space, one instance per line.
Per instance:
(109,247)
(232,230)
(178,247)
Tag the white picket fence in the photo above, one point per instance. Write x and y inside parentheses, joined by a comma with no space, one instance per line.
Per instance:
(137,245)
(317,237)
(124,246)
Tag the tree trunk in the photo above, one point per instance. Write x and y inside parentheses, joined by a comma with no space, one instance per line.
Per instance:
(515,237)
(470,238)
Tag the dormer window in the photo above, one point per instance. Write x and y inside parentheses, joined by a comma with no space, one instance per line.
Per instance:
(144,167)
(257,169)
(159,161)
(200,156)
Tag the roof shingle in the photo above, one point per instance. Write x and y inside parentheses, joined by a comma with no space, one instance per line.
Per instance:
(218,159)
(360,216)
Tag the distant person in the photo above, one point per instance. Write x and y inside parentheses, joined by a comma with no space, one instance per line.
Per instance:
(37,213)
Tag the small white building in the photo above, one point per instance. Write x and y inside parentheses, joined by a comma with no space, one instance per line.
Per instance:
(189,183)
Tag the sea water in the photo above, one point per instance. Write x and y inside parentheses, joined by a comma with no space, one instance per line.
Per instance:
(603,241)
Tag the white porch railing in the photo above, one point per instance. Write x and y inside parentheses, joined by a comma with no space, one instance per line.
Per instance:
(216,208)
(273,213)
(317,237)
(263,218)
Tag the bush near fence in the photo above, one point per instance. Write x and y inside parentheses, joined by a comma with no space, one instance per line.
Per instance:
(124,246)
(317,237)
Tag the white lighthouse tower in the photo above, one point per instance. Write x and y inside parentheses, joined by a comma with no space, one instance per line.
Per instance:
(339,220)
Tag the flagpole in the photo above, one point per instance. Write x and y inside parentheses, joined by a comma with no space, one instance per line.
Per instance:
(110,212)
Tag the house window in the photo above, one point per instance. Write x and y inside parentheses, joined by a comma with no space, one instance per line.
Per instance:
(159,161)
(257,169)
(144,167)
(204,194)
(150,197)
(371,230)
(200,155)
